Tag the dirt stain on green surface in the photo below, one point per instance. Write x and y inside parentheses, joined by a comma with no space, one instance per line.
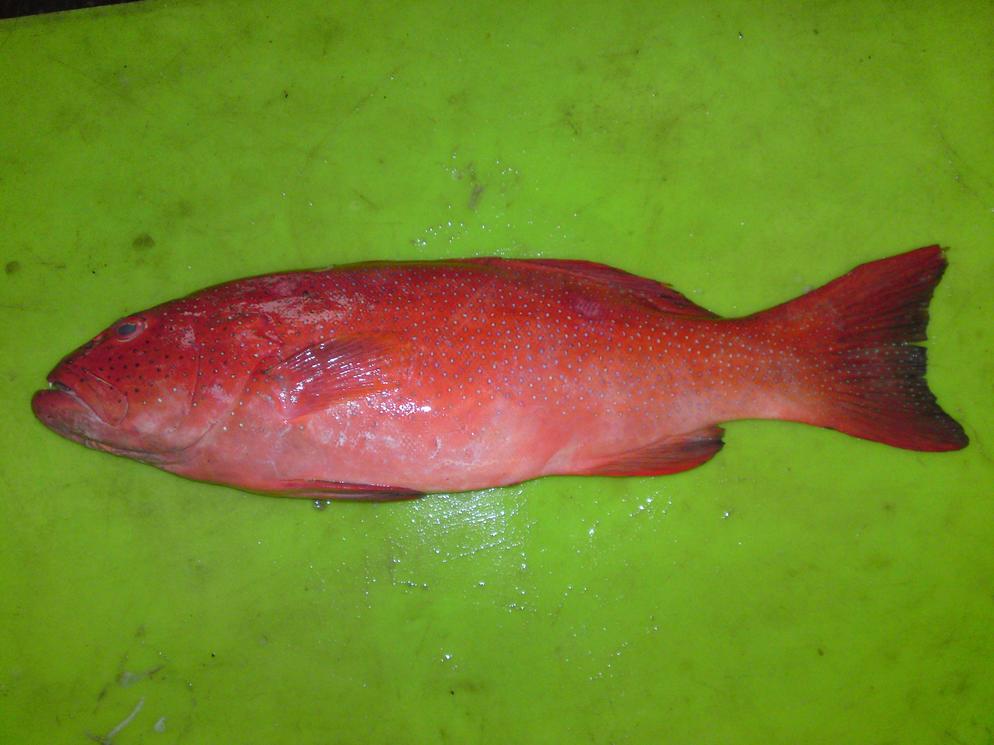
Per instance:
(475,195)
(570,120)
(180,209)
(476,188)
(142,242)
(12,267)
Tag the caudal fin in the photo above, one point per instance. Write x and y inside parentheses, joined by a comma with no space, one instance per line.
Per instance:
(869,375)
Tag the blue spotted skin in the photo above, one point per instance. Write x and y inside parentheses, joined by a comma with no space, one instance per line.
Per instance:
(388,379)
(493,372)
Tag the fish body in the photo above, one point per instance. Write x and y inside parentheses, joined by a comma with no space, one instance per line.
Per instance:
(387,380)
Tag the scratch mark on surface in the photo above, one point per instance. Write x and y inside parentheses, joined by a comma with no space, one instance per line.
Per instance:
(108,739)
(127,678)
(96,81)
(961,167)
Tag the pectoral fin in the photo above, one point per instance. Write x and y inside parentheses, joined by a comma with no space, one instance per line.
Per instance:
(336,370)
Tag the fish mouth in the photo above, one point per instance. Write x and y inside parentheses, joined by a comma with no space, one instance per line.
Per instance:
(62,411)
(80,406)
(90,391)
(84,408)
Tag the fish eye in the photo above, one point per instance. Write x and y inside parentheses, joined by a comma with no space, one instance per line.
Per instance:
(128,330)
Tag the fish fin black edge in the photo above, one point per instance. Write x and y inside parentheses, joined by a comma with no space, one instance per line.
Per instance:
(866,325)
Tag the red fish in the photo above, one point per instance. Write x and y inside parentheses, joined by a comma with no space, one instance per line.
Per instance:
(388,380)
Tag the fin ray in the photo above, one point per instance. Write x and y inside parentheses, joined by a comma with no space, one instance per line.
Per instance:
(317,489)
(669,455)
(335,370)
(658,295)
(862,330)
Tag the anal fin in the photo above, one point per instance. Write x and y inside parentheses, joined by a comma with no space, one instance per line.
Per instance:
(669,455)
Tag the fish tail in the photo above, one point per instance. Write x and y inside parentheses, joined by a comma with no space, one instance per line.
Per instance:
(864,372)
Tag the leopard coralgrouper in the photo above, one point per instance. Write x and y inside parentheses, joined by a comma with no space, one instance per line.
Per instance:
(387,380)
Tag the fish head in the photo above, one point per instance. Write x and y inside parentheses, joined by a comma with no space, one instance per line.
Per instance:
(152,384)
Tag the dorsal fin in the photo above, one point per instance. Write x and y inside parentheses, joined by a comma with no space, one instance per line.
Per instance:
(657,294)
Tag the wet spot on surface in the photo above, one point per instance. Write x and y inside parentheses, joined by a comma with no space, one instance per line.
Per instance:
(142,241)
(12,267)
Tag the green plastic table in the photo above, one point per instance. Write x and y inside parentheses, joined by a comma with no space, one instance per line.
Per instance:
(803,587)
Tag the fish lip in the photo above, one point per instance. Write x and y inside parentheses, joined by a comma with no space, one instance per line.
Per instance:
(58,386)
(98,396)
(50,406)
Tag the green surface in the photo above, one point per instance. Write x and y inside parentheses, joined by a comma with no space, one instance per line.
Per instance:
(804,587)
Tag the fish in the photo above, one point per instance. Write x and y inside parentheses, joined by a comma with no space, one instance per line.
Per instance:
(389,380)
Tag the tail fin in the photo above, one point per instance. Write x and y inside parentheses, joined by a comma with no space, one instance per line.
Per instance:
(869,375)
